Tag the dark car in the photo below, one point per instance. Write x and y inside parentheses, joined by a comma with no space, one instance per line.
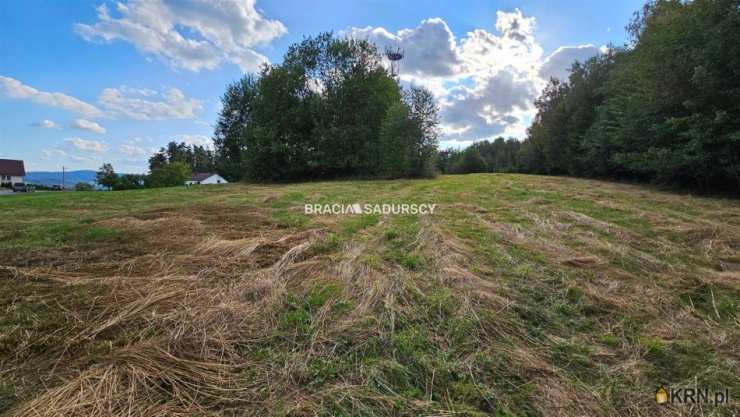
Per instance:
(22,187)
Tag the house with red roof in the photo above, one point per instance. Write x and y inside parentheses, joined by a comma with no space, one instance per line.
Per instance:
(11,171)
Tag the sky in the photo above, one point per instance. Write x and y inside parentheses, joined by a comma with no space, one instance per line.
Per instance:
(88,82)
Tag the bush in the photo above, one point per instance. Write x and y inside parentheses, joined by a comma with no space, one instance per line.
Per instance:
(83,186)
(129,182)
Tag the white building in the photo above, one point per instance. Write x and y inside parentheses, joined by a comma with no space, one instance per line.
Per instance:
(11,171)
(206,178)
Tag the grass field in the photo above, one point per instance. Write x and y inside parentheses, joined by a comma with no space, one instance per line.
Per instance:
(520,296)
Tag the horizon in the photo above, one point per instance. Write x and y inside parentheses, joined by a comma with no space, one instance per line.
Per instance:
(106,82)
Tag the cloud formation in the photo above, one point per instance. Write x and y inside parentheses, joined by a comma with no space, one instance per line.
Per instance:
(195,140)
(12,88)
(88,125)
(429,49)
(58,155)
(133,151)
(86,145)
(559,62)
(46,124)
(117,103)
(486,82)
(192,35)
(149,105)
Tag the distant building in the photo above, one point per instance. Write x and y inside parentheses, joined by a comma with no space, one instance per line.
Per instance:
(206,178)
(12,171)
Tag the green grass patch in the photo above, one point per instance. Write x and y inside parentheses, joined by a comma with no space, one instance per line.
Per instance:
(100,233)
(298,312)
(356,223)
(328,245)
(714,302)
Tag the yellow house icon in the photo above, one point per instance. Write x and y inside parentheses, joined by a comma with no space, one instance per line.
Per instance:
(661,395)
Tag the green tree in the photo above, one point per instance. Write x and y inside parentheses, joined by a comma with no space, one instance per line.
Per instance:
(83,186)
(319,114)
(233,127)
(158,160)
(447,160)
(106,176)
(501,155)
(657,111)
(424,112)
(129,182)
(171,175)
(471,162)
(398,135)
(198,157)
(683,69)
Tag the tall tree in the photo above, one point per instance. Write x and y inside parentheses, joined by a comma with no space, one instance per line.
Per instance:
(197,157)
(233,126)
(424,112)
(398,135)
(106,176)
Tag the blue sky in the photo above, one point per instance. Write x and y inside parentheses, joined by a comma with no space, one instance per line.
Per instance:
(82,83)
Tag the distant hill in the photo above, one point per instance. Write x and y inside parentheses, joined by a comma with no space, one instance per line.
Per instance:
(55,177)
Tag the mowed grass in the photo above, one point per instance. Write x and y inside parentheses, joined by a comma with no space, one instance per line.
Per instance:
(520,296)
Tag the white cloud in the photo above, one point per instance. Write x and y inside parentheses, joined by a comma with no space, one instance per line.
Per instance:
(46,124)
(133,151)
(189,34)
(486,82)
(429,49)
(200,140)
(151,105)
(86,145)
(60,155)
(13,88)
(516,47)
(559,62)
(492,108)
(121,102)
(88,125)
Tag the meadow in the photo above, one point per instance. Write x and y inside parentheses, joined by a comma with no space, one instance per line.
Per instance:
(521,295)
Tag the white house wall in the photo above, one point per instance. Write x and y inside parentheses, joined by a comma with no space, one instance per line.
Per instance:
(12,179)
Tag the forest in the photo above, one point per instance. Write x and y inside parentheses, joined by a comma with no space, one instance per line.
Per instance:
(663,109)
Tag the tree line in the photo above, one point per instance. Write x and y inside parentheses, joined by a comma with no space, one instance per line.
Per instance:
(664,109)
(171,166)
(500,155)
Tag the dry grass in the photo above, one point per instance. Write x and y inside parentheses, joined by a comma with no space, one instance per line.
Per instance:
(514,303)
